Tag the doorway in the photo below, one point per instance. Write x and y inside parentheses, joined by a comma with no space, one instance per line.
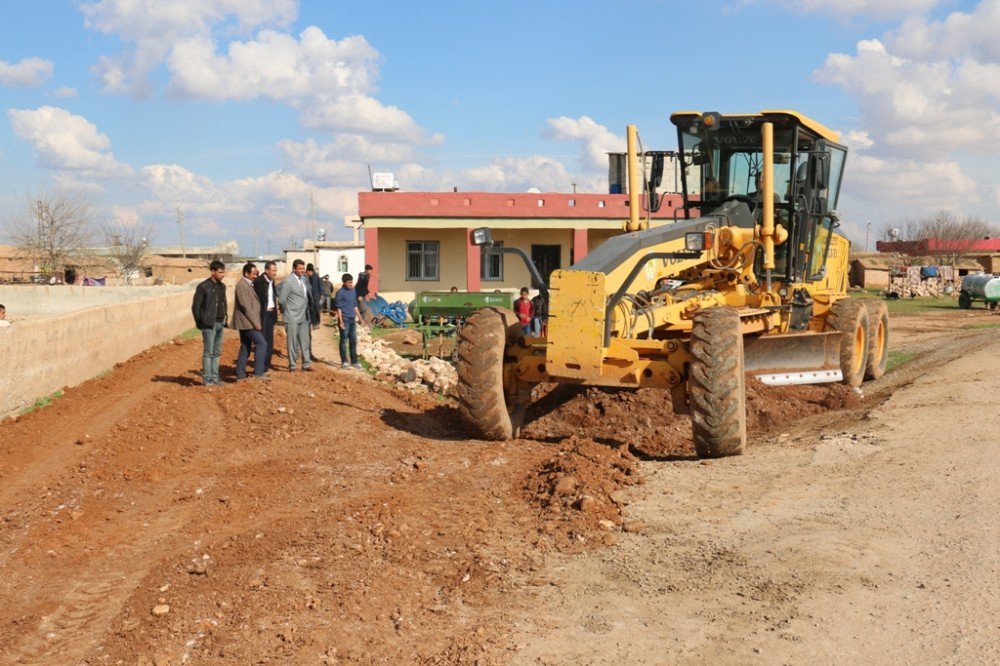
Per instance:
(547,259)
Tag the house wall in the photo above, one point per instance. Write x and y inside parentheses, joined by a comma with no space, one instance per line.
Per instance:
(392,258)
(990,263)
(393,284)
(44,354)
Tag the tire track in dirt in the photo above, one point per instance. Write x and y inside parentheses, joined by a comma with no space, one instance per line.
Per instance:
(72,615)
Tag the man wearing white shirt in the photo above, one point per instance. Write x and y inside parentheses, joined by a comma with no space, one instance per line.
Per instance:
(267,294)
(293,299)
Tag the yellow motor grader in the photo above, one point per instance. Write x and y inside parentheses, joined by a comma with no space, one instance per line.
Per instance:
(749,277)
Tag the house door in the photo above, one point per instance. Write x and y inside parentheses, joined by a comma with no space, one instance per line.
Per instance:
(546,258)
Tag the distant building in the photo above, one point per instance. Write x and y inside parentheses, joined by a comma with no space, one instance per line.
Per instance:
(225,251)
(333,258)
(985,252)
(419,241)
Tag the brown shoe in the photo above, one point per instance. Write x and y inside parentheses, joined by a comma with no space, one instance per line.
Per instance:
(307,368)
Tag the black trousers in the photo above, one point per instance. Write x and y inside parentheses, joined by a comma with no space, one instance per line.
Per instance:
(267,322)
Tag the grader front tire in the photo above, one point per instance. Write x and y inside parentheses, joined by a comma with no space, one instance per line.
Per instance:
(878,337)
(490,407)
(850,317)
(717,384)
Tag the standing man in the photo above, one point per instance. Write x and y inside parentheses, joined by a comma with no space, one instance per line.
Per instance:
(209,310)
(293,298)
(363,291)
(327,294)
(246,320)
(346,302)
(315,295)
(539,315)
(267,294)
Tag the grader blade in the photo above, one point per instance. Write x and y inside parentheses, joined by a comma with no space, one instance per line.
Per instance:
(794,358)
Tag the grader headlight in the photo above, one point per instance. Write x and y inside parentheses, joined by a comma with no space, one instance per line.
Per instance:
(698,241)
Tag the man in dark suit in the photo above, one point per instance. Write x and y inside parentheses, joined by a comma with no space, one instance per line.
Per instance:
(267,294)
(315,295)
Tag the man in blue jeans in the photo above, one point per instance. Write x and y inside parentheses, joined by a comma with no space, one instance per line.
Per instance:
(346,303)
(246,320)
(209,310)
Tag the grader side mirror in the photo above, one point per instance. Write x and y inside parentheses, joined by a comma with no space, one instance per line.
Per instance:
(820,169)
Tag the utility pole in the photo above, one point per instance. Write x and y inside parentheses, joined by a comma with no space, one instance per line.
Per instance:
(41,218)
(868,229)
(312,227)
(180,223)
(256,243)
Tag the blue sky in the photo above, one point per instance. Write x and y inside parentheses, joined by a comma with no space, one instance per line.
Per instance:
(237,110)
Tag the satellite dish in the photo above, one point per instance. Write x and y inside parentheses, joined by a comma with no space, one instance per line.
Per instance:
(321,234)
(534,190)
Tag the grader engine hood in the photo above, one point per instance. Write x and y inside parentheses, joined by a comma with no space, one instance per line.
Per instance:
(579,312)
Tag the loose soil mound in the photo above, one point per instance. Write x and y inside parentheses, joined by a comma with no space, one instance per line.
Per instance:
(574,489)
(644,420)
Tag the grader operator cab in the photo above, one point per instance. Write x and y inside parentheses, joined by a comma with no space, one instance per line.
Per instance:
(750,277)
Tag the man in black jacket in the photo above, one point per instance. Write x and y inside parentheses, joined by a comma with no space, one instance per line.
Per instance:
(267,294)
(361,286)
(209,309)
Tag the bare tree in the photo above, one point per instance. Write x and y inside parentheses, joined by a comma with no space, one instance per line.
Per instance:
(954,237)
(127,240)
(51,228)
(902,230)
(946,237)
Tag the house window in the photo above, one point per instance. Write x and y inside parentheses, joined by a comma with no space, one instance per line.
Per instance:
(422,260)
(491,263)
(342,263)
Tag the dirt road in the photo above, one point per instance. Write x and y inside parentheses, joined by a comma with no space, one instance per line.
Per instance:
(328,518)
(838,541)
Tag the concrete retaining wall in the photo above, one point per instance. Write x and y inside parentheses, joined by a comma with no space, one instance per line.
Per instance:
(41,356)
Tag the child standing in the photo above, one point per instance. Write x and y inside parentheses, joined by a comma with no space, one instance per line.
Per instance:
(524,311)
(346,303)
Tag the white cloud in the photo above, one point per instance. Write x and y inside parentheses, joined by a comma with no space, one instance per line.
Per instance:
(150,28)
(343,160)
(361,113)
(960,34)
(277,202)
(910,183)
(64,92)
(330,82)
(275,65)
(178,187)
(919,108)
(27,73)
(67,143)
(513,174)
(595,140)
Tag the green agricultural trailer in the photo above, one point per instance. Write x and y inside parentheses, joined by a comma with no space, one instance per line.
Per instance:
(439,313)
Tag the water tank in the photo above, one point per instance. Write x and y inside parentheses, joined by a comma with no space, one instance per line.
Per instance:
(384,181)
(982,287)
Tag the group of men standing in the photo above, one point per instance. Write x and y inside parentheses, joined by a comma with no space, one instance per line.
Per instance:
(258,299)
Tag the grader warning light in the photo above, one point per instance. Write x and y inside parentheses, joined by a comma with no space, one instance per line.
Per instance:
(482,236)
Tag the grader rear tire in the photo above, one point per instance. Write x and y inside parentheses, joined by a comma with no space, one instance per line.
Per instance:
(717,384)
(850,317)
(878,337)
(491,401)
